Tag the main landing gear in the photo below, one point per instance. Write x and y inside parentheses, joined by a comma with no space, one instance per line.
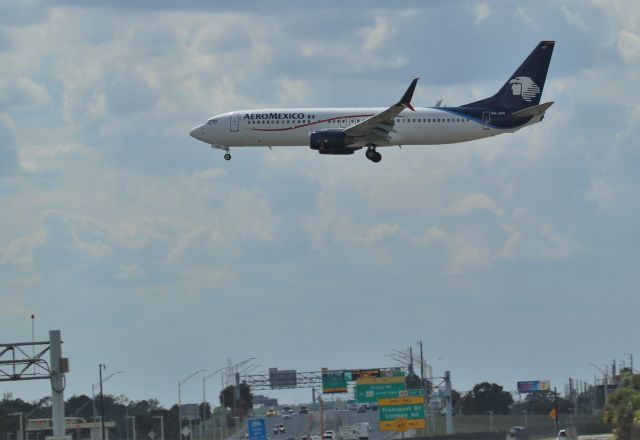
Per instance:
(372,154)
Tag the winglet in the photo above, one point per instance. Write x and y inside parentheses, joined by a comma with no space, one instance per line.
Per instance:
(406,98)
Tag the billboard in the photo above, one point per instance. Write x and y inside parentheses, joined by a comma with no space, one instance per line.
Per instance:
(531,386)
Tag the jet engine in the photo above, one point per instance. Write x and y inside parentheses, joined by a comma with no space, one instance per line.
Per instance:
(331,142)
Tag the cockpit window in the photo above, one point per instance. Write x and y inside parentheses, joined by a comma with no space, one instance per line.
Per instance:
(212,121)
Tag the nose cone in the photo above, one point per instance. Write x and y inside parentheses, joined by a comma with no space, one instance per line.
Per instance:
(198,133)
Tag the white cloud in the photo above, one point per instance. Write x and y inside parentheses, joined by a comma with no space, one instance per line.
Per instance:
(381,31)
(129,272)
(20,251)
(22,91)
(574,19)
(8,153)
(629,45)
(600,194)
(10,310)
(482,11)
(474,202)
(380,232)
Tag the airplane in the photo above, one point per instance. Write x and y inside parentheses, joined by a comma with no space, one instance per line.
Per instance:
(342,131)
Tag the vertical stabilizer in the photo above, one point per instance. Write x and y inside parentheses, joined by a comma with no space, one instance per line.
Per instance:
(524,87)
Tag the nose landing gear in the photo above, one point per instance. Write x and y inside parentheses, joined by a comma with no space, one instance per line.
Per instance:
(227,156)
(372,154)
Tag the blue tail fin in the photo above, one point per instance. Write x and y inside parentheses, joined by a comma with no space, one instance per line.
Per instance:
(524,88)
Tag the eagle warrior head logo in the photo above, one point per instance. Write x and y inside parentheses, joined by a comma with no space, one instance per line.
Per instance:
(525,87)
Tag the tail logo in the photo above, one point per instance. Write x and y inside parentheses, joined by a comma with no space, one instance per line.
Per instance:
(525,87)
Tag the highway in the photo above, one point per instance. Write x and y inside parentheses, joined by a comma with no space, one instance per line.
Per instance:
(309,424)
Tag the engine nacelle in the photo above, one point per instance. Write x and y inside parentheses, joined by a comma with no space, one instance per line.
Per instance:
(330,142)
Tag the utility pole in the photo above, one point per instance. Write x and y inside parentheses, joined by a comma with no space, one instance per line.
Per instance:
(447,381)
(133,421)
(555,405)
(321,416)
(58,368)
(161,426)
(100,367)
(424,388)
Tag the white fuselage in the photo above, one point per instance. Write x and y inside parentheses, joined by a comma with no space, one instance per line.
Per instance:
(291,127)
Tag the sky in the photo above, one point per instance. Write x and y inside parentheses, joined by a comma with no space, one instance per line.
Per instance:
(511,258)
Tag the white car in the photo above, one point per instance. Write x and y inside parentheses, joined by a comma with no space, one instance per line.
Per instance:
(329,435)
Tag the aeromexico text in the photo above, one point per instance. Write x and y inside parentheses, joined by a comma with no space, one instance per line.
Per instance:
(254,116)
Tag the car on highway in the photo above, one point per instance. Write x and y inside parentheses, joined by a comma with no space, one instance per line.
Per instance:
(279,429)
(362,409)
(303,410)
(271,412)
(352,407)
(329,435)
(316,437)
(373,406)
(518,433)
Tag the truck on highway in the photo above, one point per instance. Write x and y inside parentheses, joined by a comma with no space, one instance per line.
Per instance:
(361,430)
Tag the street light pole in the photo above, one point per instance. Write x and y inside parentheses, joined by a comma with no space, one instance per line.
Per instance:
(204,399)
(133,420)
(236,386)
(20,429)
(605,379)
(180,383)
(161,426)
(100,368)
(93,391)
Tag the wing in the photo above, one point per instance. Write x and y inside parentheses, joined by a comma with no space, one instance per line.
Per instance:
(378,127)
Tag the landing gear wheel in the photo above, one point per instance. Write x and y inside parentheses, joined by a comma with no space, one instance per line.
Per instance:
(373,155)
(227,156)
(370,153)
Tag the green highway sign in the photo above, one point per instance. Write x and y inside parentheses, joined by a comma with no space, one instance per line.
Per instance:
(333,382)
(404,407)
(369,390)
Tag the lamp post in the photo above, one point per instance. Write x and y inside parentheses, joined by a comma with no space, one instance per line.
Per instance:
(236,390)
(20,429)
(180,383)
(133,420)
(100,368)
(93,391)
(161,426)
(204,399)
(605,381)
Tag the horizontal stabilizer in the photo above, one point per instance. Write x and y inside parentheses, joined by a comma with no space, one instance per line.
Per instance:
(532,111)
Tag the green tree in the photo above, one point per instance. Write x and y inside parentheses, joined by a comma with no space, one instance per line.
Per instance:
(542,402)
(241,406)
(486,397)
(622,406)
